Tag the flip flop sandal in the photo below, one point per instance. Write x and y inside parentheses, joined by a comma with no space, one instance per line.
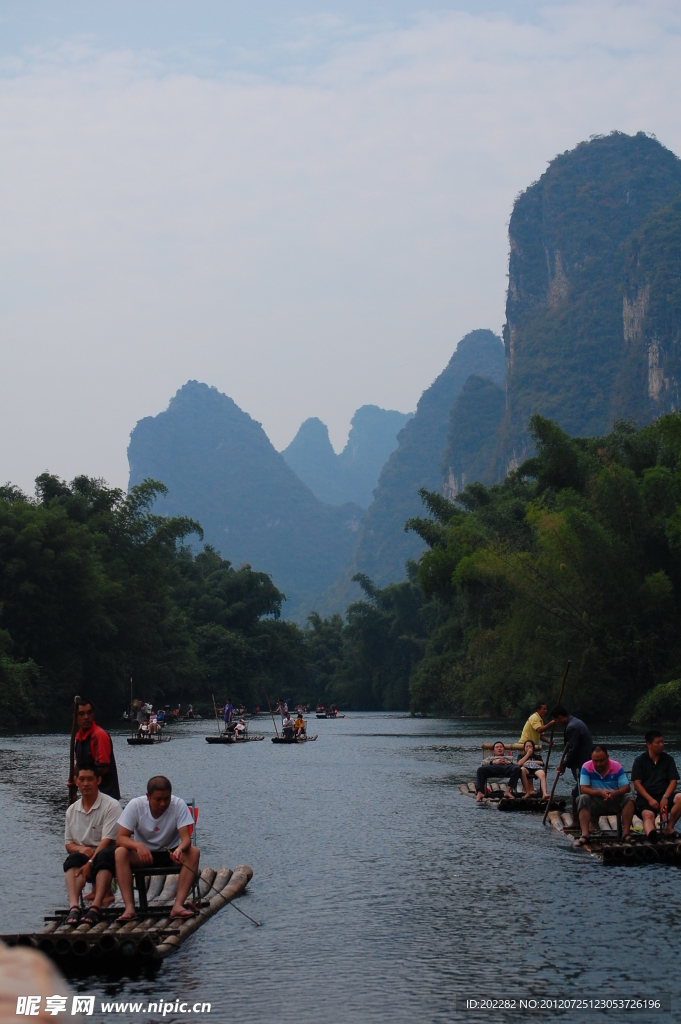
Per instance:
(74,916)
(93,916)
(582,841)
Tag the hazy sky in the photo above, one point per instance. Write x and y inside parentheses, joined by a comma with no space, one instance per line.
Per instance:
(304,204)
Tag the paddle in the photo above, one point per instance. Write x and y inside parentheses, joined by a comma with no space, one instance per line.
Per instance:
(555,782)
(217,720)
(553,727)
(270,707)
(73,788)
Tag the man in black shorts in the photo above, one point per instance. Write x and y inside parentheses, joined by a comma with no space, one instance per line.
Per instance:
(655,775)
(90,836)
(155,830)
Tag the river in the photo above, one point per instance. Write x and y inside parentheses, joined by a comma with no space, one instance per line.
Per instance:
(385,895)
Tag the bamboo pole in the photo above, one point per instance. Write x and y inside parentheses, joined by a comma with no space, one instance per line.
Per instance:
(553,727)
(236,885)
(555,783)
(270,707)
(217,720)
(73,789)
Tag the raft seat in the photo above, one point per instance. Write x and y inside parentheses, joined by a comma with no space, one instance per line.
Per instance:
(143,874)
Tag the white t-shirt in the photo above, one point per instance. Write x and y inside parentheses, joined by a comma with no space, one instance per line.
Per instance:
(156,833)
(88,828)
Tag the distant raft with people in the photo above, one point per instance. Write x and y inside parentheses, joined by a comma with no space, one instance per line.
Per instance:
(149,937)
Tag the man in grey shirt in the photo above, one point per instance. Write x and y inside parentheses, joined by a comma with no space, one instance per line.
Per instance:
(90,837)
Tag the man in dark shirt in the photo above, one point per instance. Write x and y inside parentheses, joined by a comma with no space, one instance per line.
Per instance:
(655,775)
(95,749)
(578,740)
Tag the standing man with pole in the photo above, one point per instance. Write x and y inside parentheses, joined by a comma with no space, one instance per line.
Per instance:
(578,745)
(93,748)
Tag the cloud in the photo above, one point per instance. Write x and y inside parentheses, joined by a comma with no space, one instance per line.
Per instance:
(308,238)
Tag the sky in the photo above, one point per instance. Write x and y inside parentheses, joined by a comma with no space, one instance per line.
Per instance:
(305,204)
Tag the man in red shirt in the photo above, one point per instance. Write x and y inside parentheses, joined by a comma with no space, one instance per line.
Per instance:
(95,749)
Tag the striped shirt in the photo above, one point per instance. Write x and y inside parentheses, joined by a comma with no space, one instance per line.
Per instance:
(614,778)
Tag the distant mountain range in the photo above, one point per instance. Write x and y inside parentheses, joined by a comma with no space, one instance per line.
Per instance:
(221,469)
(352,475)
(592,334)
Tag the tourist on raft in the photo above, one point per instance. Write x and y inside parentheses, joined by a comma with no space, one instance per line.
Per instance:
(534,726)
(604,790)
(532,767)
(577,739)
(155,831)
(94,747)
(499,766)
(240,728)
(228,712)
(299,725)
(655,775)
(287,725)
(90,837)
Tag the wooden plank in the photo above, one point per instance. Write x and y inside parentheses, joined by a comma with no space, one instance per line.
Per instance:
(463,789)
(566,818)
(471,787)
(554,818)
(612,818)
(604,824)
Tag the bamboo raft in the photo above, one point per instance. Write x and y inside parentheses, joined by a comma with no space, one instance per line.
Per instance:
(294,739)
(149,938)
(226,738)
(610,848)
(148,741)
(495,797)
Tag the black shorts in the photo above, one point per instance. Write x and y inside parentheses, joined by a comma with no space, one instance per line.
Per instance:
(105,859)
(162,859)
(643,805)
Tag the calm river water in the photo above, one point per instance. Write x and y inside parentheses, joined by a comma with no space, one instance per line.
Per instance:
(385,895)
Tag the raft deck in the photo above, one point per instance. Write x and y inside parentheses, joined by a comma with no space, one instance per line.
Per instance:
(230,739)
(495,797)
(150,937)
(606,844)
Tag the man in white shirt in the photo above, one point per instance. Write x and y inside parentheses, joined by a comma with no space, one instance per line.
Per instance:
(155,830)
(90,834)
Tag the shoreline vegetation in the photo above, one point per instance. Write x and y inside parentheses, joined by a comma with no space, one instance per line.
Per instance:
(576,554)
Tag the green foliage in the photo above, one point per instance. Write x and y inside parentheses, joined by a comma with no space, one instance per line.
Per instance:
(661,706)
(576,555)
(96,587)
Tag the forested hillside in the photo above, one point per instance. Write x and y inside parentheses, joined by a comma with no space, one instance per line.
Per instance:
(383,548)
(592,324)
(95,588)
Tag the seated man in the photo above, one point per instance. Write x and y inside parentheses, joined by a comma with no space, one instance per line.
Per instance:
(299,724)
(534,726)
(604,790)
(287,725)
(499,766)
(90,836)
(154,831)
(240,729)
(655,775)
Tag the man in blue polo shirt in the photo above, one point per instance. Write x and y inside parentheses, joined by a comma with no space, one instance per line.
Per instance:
(604,788)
